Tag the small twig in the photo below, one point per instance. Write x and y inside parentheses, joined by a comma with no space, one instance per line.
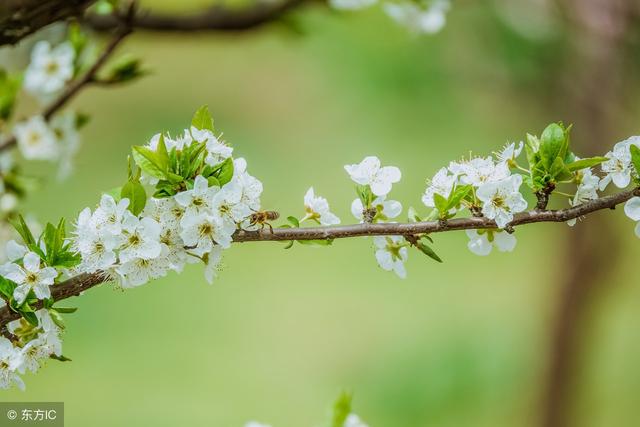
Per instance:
(77,85)
(82,282)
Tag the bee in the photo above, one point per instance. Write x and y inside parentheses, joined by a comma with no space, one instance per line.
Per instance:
(263,218)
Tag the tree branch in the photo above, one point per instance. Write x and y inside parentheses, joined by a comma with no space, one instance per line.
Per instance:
(215,18)
(19,18)
(82,282)
(78,84)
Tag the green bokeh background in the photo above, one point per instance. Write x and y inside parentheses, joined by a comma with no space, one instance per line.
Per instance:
(281,333)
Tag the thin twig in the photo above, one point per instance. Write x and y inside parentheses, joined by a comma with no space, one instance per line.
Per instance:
(82,282)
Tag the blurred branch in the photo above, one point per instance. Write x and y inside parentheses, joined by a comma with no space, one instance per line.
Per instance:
(215,18)
(19,18)
(72,90)
(82,282)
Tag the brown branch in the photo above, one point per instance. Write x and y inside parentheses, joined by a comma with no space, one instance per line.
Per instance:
(215,18)
(19,18)
(77,85)
(78,284)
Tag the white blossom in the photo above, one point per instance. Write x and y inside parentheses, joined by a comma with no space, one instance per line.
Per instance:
(36,140)
(217,151)
(442,183)
(502,199)
(317,209)
(141,238)
(68,139)
(418,18)
(212,264)
(10,362)
(632,210)
(30,276)
(203,231)
(479,170)
(351,4)
(385,209)
(369,172)
(354,421)
(482,241)
(391,254)
(138,271)
(109,214)
(618,168)
(198,199)
(49,70)
(510,153)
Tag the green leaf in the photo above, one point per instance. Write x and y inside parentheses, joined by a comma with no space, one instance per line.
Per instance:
(57,318)
(66,310)
(224,171)
(23,229)
(134,191)
(365,195)
(294,221)
(635,157)
(60,358)
(341,409)
(30,317)
(6,288)
(457,195)
(428,251)
(202,119)
(559,171)
(9,87)
(289,245)
(148,161)
(441,204)
(586,163)
(553,144)
(162,154)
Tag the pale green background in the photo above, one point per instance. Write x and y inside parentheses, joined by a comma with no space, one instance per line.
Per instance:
(281,333)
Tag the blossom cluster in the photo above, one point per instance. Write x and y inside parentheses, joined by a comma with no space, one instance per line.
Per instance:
(420,17)
(38,344)
(193,225)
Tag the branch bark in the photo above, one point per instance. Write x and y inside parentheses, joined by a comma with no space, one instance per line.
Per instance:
(82,282)
(215,18)
(19,18)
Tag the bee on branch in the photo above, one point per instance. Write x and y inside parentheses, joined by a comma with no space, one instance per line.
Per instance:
(262,218)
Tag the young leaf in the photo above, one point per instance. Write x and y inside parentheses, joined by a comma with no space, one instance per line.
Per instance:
(586,163)
(202,119)
(6,288)
(294,221)
(225,172)
(553,144)
(635,157)
(425,249)
(457,195)
(23,229)
(134,191)
(441,204)
(341,409)
(148,161)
